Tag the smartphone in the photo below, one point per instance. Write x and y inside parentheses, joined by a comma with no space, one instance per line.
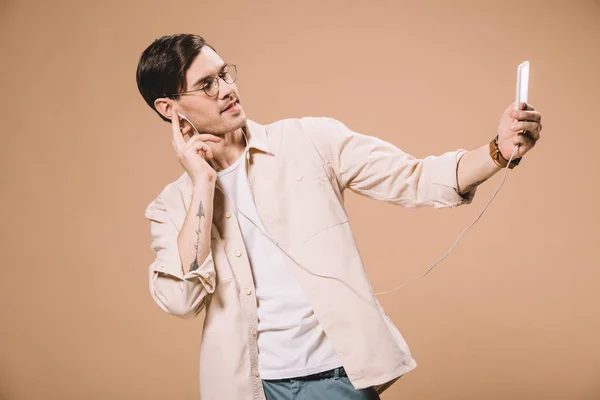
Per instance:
(522,83)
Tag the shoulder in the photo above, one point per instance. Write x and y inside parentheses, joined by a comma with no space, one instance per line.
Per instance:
(324,133)
(305,125)
(168,196)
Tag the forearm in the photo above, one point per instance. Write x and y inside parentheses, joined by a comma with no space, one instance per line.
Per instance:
(193,240)
(474,168)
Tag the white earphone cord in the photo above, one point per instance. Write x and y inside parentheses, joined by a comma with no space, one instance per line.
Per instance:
(459,236)
(368,301)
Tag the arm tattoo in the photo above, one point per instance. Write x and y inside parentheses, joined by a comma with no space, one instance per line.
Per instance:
(200,214)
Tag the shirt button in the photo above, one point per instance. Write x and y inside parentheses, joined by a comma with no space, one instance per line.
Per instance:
(248,291)
(238,253)
(299,178)
(253,331)
(256,374)
(227,215)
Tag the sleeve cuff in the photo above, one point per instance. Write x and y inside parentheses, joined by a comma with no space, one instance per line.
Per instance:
(170,264)
(443,175)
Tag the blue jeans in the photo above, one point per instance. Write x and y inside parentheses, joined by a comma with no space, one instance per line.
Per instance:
(336,387)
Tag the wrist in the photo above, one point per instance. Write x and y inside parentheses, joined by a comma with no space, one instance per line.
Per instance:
(203,182)
(498,158)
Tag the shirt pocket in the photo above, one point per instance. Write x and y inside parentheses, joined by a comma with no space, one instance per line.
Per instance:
(317,206)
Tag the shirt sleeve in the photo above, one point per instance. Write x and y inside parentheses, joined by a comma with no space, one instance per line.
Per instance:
(379,170)
(177,293)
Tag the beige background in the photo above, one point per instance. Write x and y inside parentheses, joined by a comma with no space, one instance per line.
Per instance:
(511,314)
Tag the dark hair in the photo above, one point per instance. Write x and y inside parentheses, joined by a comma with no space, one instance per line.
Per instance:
(162,66)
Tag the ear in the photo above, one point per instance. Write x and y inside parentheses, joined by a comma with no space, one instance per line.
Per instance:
(164,106)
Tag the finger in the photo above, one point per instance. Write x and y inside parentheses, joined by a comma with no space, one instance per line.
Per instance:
(525,126)
(528,138)
(533,135)
(186,130)
(524,139)
(199,146)
(526,115)
(178,140)
(206,137)
(525,106)
(208,151)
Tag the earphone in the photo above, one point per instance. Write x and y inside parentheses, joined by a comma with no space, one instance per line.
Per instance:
(189,122)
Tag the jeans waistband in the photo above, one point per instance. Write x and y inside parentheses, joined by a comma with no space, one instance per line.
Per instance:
(332,373)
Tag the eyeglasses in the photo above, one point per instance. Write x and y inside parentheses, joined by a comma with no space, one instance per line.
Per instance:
(210,85)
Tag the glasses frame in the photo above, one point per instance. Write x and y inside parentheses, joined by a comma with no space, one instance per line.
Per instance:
(215,84)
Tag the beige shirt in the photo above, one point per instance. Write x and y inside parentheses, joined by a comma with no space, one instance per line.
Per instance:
(290,340)
(298,170)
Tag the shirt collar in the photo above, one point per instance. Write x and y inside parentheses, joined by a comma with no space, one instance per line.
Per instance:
(257,137)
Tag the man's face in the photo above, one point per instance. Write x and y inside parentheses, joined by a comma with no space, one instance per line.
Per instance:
(214,115)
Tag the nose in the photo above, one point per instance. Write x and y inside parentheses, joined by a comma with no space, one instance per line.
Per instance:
(225,89)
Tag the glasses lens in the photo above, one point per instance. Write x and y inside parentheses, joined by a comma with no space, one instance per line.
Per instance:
(230,73)
(212,87)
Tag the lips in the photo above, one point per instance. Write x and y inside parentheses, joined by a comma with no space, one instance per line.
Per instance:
(228,106)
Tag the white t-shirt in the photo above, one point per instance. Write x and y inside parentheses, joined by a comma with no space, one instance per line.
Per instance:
(291,342)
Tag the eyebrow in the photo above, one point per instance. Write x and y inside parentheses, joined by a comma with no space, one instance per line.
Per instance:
(201,80)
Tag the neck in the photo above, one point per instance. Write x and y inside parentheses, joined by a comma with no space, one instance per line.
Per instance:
(228,150)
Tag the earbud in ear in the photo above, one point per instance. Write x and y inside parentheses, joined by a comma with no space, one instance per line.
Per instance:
(189,122)
(183,117)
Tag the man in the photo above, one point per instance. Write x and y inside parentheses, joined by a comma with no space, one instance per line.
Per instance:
(255,232)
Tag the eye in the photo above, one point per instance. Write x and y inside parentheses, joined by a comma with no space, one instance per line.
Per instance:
(224,74)
(207,83)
